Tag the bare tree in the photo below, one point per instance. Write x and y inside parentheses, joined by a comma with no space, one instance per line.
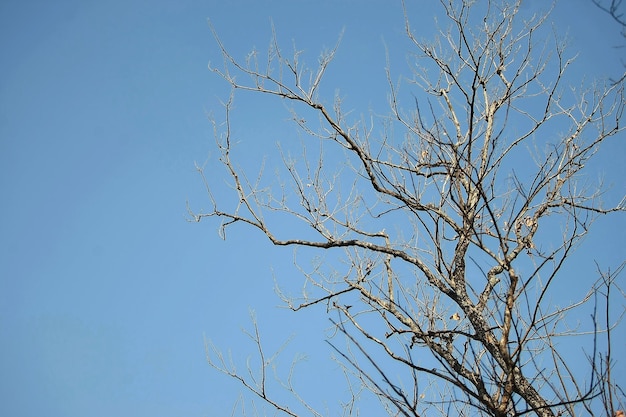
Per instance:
(454,224)
(615,9)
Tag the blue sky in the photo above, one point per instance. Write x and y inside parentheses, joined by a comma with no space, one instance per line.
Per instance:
(106,291)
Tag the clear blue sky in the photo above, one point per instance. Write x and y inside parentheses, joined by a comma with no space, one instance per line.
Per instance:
(106,292)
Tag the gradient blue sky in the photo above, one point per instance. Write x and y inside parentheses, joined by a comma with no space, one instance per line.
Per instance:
(106,291)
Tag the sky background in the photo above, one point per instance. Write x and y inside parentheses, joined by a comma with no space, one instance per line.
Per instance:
(107,292)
